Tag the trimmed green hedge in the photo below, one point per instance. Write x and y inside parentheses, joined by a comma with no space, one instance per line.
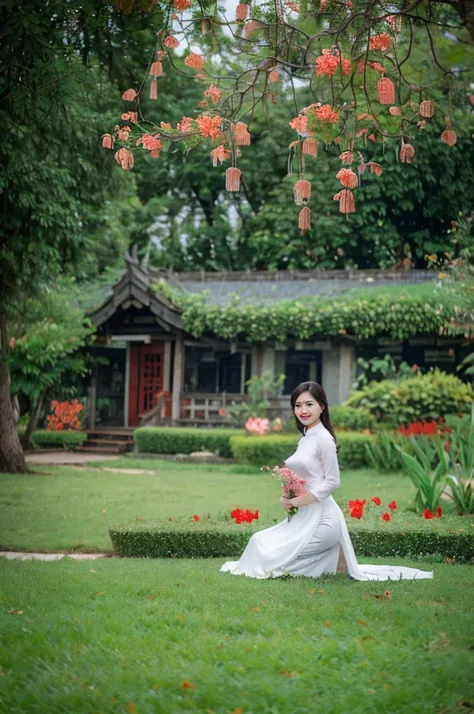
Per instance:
(183,440)
(57,438)
(153,540)
(274,449)
(352,419)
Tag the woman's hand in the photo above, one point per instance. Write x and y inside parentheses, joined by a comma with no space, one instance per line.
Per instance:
(286,503)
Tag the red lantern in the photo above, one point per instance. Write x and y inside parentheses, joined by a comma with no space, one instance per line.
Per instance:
(310,147)
(302,192)
(304,219)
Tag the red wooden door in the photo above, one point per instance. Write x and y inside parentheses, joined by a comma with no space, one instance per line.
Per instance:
(146,379)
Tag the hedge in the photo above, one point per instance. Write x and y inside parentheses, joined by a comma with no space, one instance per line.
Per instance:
(157,541)
(274,449)
(183,440)
(57,438)
(351,419)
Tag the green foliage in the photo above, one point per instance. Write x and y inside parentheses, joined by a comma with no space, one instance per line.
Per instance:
(429,483)
(398,314)
(422,397)
(68,439)
(377,368)
(47,333)
(207,539)
(383,455)
(272,450)
(351,419)
(259,390)
(182,440)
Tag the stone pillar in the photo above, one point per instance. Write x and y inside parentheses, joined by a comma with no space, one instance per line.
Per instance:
(167,367)
(337,372)
(178,373)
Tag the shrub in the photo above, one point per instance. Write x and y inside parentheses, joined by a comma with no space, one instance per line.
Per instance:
(351,419)
(271,450)
(206,540)
(182,440)
(423,397)
(57,438)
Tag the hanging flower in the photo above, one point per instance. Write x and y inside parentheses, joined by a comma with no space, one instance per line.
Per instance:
(375,168)
(232,179)
(241,12)
(151,143)
(194,60)
(164,125)
(386,91)
(346,65)
(253,26)
(395,111)
(310,147)
(380,42)
(209,127)
(154,88)
(347,157)
(326,113)
(108,141)
(304,219)
(427,109)
(274,76)
(125,158)
(377,66)
(171,42)
(129,95)
(123,133)
(156,69)
(300,124)
(213,93)
(395,22)
(407,152)
(219,154)
(241,134)
(302,191)
(182,4)
(323,5)
(449,137)
(347,177)
(346,201)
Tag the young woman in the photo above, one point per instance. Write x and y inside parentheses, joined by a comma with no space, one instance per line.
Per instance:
(310,543)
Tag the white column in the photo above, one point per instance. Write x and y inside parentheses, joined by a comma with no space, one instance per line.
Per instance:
(178,370)
(337,373)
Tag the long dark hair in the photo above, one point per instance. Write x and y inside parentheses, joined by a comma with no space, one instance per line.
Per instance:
(319,395)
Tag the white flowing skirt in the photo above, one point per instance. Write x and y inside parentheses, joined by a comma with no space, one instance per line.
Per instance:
(309,544)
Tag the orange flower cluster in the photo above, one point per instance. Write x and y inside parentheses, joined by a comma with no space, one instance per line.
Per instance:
(219,154)
(171,42)
(185,125)
(326,113)
(293,6)
(214,93)
(380,42)
(373,65)
(65,415)
(130,116)
(123,133)
(151,143)
(209,126)
(182,4)
(194,61)
(124,157)
(300,124)
(347,177)
(328,63)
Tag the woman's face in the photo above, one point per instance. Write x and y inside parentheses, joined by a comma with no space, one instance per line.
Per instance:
(307,410)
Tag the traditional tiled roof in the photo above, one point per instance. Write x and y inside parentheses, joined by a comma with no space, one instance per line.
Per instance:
(266,287)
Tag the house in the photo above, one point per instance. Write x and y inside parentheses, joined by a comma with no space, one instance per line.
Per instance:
(156,371)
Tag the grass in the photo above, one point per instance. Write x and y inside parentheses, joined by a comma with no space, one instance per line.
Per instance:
(141,637)
(67,508)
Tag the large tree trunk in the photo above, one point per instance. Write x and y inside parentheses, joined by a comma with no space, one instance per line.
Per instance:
(34,416)
(12,459)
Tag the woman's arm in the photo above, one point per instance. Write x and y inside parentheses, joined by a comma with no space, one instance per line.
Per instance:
(303,500)
(332,479)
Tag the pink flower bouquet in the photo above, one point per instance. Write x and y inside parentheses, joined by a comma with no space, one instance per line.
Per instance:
(292,485)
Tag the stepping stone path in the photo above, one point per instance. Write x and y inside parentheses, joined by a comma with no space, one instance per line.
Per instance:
(9,555)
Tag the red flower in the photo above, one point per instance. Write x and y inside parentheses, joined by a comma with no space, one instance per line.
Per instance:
(393,506)
(386,517)
(195,518)
(357,508)
(427,515)
(246,516)
(439,512)
(377,501)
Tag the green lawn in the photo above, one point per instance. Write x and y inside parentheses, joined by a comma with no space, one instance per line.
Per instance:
(67,508)
(177,636)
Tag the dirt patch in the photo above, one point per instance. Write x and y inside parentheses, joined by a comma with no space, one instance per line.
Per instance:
(133,472)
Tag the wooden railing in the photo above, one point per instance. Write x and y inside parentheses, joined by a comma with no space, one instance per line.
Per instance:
(213,408)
